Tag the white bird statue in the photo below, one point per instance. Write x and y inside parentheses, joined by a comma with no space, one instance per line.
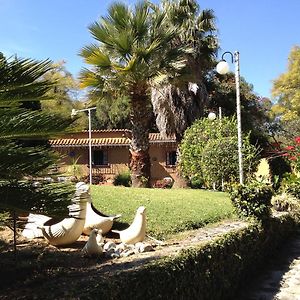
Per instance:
(96,219)
(136,232)
(92,247)
(69,229)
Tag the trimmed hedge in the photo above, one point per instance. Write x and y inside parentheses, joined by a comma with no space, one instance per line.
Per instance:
(211,271)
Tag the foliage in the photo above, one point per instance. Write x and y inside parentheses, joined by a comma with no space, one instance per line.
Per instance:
(196,182)
(113,113)
(209,151)
(278,167)
(252,200)
(286,202)
(286,89)
(178,103)
(292,153)
(227,263)
(22,81)
(254,109)
(291,185)
(123,179)
(133,50)
(168,211)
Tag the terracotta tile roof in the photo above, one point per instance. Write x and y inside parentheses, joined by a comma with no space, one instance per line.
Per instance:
(116,141)
(85,142)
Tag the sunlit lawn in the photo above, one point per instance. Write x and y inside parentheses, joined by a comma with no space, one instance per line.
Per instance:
(168,210)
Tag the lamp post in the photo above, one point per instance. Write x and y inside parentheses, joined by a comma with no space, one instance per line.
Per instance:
(223,68)
(73,114)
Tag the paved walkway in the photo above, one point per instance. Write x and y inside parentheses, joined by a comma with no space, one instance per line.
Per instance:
(281,280)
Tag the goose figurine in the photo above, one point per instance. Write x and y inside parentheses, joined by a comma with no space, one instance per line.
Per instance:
(68,230)
(96,219)
(92,246)
(136,232)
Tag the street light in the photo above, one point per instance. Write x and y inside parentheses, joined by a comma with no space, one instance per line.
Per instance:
(223,68)
(73,114)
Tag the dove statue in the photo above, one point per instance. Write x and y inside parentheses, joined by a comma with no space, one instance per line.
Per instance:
(96,219)
(137,230)
(92,247)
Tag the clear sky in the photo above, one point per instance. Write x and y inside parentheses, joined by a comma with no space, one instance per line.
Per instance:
(263,31)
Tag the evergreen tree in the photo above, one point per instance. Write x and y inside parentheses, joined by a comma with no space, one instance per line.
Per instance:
(21,81)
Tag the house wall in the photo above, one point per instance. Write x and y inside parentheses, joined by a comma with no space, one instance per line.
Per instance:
(159,169)
(118,161)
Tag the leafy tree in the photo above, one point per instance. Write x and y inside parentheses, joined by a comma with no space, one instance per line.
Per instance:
(209,151)
(22,80)
(286,89)
(254,109)
(134,50)
(63,94)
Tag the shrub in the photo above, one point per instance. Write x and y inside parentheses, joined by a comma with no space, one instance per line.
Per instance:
(226,263)
(252,200)
(122,179)
(196,182)
(291,185)
(209,150)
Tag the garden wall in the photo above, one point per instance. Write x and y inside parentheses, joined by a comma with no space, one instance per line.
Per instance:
(211,271)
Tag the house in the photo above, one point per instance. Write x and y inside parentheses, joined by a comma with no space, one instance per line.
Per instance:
(110,154)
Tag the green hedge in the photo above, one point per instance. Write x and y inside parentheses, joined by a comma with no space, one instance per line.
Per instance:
(210,271)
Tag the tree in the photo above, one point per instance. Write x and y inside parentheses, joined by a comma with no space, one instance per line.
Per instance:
(133,51)
(209,151)
(22,80)
(254,109)
(181,102)
(286,89)
(63,94)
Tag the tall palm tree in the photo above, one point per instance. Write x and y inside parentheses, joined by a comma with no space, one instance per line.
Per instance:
(178,104)
(134,50)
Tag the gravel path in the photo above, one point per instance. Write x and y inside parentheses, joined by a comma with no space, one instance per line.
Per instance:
(281,279)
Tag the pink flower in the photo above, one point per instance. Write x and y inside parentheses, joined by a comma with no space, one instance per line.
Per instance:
(289,148)
(293,158)
(297,139)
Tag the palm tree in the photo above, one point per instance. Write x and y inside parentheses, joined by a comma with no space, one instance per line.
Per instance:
(178,104)
(134,50)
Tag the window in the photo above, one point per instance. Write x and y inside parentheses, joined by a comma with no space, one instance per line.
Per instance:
(100,158)
(171,158)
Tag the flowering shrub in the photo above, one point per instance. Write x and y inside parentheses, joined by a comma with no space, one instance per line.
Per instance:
(292,152)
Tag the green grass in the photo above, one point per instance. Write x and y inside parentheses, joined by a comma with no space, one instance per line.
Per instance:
(168,211)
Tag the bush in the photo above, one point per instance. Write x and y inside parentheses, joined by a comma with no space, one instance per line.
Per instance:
(194,273)
(209,150)
(252,200)
(291,185)
(122,179)
(196,182)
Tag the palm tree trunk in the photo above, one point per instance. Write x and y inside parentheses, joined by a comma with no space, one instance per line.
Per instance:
(139,147)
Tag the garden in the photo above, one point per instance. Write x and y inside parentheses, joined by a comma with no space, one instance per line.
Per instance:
(206,234)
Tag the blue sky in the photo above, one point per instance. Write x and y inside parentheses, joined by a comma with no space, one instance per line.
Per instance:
(263,31)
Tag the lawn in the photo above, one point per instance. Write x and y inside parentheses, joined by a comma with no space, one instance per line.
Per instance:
(168,211)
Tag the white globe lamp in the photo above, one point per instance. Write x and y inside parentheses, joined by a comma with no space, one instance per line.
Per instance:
(223,67)
(212,116)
